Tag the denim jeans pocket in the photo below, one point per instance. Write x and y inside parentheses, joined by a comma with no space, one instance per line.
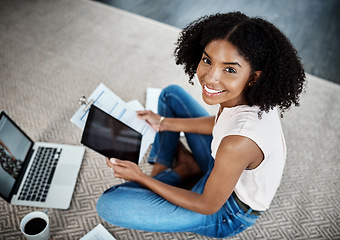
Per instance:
(235,220)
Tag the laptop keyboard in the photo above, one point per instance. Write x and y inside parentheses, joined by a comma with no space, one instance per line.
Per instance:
(40,175)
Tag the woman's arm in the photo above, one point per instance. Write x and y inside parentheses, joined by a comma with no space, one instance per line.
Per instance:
(201,125)
(234,155)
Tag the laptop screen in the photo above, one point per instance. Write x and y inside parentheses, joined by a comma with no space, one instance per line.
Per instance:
(14,147)
(110,137)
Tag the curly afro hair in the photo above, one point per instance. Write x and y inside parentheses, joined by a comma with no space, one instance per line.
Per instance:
(261,44)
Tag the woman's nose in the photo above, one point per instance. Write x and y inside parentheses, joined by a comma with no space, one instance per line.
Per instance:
(213,75)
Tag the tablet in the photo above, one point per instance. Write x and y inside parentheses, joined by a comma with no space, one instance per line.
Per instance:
(111,137)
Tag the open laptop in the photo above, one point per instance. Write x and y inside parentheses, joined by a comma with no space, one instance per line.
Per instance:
(36,174)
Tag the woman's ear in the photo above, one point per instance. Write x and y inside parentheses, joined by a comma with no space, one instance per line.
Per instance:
(254,78)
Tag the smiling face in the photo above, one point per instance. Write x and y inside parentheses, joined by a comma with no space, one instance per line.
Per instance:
(224,74)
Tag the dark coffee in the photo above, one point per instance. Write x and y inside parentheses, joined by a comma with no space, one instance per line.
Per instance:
(35,226)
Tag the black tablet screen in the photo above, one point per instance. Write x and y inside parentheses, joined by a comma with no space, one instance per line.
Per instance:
(110,137)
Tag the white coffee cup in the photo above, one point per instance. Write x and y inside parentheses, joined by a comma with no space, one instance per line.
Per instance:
(35,226)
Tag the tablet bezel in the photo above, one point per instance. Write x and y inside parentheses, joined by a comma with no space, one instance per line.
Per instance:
(95,114)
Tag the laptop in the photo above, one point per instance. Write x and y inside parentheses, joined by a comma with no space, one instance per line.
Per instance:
(35,173)
(110,137)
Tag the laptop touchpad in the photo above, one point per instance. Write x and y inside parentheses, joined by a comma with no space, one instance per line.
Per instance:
(65,175)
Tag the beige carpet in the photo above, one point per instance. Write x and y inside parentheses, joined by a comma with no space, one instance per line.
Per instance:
(53,52)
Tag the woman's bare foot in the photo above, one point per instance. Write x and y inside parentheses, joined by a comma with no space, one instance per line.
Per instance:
(186,165)
(157,168)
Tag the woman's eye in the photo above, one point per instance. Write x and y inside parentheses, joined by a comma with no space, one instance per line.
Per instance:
(206,60)
(230,70)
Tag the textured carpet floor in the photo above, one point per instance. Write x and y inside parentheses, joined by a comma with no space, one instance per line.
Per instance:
(53,52)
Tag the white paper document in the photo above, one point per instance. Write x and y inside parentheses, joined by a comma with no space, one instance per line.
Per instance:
(152,95)
(98,233)
(110,103)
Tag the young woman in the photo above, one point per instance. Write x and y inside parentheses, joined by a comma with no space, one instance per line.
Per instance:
(250,69)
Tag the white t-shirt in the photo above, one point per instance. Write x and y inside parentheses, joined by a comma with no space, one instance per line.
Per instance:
(255,187)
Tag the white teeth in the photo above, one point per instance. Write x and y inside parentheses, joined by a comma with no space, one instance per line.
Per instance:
(212,91)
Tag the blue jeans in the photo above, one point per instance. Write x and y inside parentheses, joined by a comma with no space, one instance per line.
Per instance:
(132,206)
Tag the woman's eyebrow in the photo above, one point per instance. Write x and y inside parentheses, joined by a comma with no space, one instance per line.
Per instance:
(232,63)
(205,53)
(225,63)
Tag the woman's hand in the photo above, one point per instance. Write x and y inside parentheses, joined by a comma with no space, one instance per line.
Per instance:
(125,169)
(152,118)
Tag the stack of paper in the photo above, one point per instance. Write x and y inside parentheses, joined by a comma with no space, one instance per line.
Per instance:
(98,233)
